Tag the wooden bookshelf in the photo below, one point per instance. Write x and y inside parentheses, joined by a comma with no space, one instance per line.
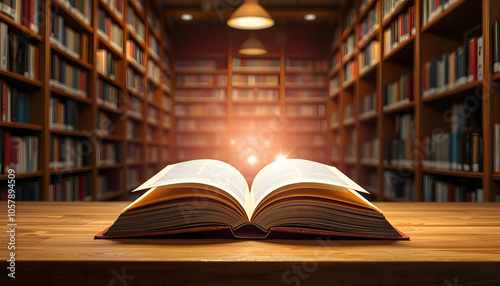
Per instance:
(443,34)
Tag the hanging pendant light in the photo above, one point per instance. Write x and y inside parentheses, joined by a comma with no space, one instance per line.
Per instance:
(252,46)
(250,16)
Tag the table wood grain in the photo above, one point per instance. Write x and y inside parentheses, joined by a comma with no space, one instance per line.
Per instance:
(449,243)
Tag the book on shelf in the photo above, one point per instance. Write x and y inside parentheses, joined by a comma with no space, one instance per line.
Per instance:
(305,94)
(153,114)
(26,12)
(135,54)
(496,147)
(399,92)
(440,190)
(63,114)
(461,149)
(305,79)
(25,191)
(256,110)
(399,185)
(201,64)
(105,125)
(349,46)
(399,30)
(152,154)
(201,79)
(305,110)
(19,152)
(253,95)
(67,77)
(369,56)
(293,64)
(69,152)
(334,119)
(81,9)
(279,189)
(306,125)
(135,24)
(432,8)
(399,151)
(348,19)
(135,82)
(350,71)
(105,63)
(368,105)
(116,7)
(18,55)
(350,147)
(154,47)
(132,129)
(67,39)
(495,51)
(153,72)
(336,61)
(200,94)
(153,20)
(256,64)
(70,188)
(201,125)
(199,109)
(199,140)
(369,151)
(107,94)
(348,113)
(368,24)
(334,87)
(135,106)
(108,153)
(15,104)
(134,153)
(133,175)
(253,80)
(110,31)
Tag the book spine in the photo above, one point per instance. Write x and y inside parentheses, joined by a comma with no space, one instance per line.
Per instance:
(472,60)
(480,58)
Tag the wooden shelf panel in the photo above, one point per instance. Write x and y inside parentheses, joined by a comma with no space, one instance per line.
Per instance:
(23,175)
(74,21)
(24,126)
(70,171)
(456,93)
(477,175)
(20,79)
(20,29)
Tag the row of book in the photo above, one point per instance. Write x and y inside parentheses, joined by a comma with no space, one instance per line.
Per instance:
(350,71)
(153,72)
(253,80)
(348,19)
(389,6)
(305,64)
(255,64)
(496,47)
(256,110)
(105,63)
(399,151)
(200,110)
(199,140)
(133,177)
(399,92)
(17,54)
(304,94)
(350,147)
(69,152)
(67,39)
(105,125)
(368,105)
(70,188)
(432,8)
(82,9)
(152,154)
(135,82)
(203,64)
(153,114)
(336,61)
(18,152)
(132,129)
(26,12)
(368,24)
(439,190)
(116,7)
(134,153)
(369,56)
(108,153)
(63,114)
(400,29)
(369,151)
(15,104)
(110,31)
(135,24)
(255,94)
(348,113)
(135,106)
(68,77)
(305,79)
(334,119)
(107,94)
(399,185)
(305,110)
(153,20)
(201,80)
(154,47)
(135,54)
(306,125)
(349,46)
(25,191)
(200,94)
(465,65)
(334,86)
(201,125)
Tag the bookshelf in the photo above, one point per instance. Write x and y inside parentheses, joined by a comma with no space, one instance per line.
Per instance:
(78,97)
(413,117)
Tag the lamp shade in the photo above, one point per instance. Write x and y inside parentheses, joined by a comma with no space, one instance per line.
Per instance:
(252,46)
(250,16)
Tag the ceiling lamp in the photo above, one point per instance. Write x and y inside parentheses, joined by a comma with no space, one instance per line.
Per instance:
(252,46)
(250,16)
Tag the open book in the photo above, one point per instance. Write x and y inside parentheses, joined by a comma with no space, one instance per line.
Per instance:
(287,196)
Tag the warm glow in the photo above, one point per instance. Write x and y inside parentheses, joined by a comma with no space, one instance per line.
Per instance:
(252,160)
(233,142)
(252,46)
(187,17)
(253,52)
(250,16)
(250,23)
(310,17)
(280,158)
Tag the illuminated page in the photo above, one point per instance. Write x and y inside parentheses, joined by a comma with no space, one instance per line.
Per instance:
(287,172)
(209,172)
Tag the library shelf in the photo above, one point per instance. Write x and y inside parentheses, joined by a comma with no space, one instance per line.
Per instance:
(20,79)
(108,46)
(23,175)
(402,51)
(334,72)
(112,14)
(305,71)
(257,102)
(446,20)
(348,31)
(111,137)
(134,116)
(71,133)
(110,166)
(399,168)
(304,86)
(256,72)
(66,94)
(70,58)
(398,109)
(70,171)
(24,126)
(305,131)
(200,146)
(477,175)
(368,164)
(114,82)
(20,29)
(154,32)
(305,101)
(457,92)
(137,39)
(201,86)
(349,123)
(347,58)
(141,69)
(368,38)
(179,71)
(496,176)
(257,116)
(200,116)
(110,195)
(369,72)
(396,11)
(135,140)
(114,110)
(365,10)
(138,10)
(496,77)
(71,19)
(368,117)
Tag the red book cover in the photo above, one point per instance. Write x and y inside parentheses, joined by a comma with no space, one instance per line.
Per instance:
(14,152)
(31,12)
(25,13)
(401,25)
(438,3)
(427,75)
(468,197)
(63,191)
(451,193)
(6,151)
(473,59)
(412,17)
(83,81)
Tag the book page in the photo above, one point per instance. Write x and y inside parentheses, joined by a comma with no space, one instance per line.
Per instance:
(295,171)
(208,172)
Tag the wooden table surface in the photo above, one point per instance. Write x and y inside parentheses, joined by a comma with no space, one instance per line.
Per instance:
(455,243)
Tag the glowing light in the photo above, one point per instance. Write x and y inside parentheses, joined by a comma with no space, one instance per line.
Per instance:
(280,158)
(310,17)
(252,160)
(187,17)
(233,142)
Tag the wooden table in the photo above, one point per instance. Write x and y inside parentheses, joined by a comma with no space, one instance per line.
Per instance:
(451,244)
